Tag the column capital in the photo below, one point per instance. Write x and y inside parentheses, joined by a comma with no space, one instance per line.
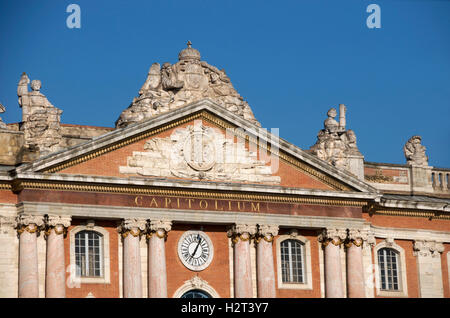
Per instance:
(336,236)
(266,232)
(133,226)
(58,223)
(160,227)
(244,232)
(30,223)
(358,237)
(428,248)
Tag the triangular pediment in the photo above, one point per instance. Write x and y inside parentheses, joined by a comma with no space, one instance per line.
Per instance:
(167,146)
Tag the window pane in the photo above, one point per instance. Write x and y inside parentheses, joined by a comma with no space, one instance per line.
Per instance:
(88,253)
(291,261)
(388,268)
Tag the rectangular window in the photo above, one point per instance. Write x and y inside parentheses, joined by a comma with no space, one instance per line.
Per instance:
(292,263)
(88,256)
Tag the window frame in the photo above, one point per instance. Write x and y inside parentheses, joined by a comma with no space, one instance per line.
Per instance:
(196,283)
(386,253)
(87,264)
(290,261)
(104,254)
(401,271)
(306,263)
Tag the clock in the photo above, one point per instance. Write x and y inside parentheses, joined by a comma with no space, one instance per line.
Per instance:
(195,250)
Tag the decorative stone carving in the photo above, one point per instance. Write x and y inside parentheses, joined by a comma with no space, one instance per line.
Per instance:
(266,232)
(358,237)
(389,241)
(244,232)
(7,224)
(415,152)
(428,248)
(337,146)
(159,227)
(186,81)
(133,226)
(379,177)
(29,223)
(2,124)
(335,236)
(57,223)
(41,120)
(202,153)
(197,283)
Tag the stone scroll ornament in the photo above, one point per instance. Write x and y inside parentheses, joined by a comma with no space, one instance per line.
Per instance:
(172,86)
(335,144)
(415,152)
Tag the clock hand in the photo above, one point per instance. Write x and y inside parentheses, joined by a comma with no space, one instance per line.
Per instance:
(198,244)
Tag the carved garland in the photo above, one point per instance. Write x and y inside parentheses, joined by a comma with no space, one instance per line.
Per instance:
(30,228)
(133,232)
(158,234)
(335,242)
(57,232)
(267,238)
(357,243)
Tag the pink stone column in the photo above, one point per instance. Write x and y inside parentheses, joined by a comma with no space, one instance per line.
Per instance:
(241,235)
(28,227)
(332,239)
(265,270)
(131,230)
(55,282)
(355,268)
(157,271)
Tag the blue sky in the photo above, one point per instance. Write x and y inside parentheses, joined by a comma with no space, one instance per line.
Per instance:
(291,60)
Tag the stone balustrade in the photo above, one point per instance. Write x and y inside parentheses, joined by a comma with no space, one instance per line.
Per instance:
(440,180)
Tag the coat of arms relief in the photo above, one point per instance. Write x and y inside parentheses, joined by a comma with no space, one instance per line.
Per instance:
(201,153)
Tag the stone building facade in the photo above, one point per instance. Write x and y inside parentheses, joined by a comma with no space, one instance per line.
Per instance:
(189,197)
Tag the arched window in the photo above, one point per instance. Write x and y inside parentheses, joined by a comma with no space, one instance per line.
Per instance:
(196,293)
(388,262)
(89,254)
(292,261)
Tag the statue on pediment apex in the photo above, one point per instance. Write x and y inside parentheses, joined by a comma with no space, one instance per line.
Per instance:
(174,85)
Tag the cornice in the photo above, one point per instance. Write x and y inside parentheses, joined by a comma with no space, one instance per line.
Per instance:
(133,190)
(438,215)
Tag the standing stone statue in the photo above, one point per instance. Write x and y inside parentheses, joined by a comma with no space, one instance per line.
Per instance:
(40,119)
(337,145)
(415,152)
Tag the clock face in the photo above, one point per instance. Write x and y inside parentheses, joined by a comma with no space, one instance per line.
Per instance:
(195,250)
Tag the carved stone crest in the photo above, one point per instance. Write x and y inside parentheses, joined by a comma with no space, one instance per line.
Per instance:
(175,85)
(199,152)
